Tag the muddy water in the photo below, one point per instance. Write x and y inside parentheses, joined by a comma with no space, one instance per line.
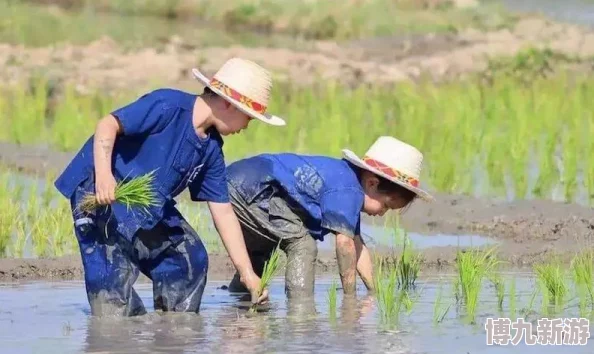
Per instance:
(572,11)
(54,318)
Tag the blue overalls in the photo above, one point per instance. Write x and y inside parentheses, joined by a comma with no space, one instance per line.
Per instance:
(116,242)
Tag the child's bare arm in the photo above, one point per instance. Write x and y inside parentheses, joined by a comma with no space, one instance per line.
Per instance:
(346,256)
(364,264)
(228,227)
(105,134)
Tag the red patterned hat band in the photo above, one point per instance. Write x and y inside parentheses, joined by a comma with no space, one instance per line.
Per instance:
(392,172)
(246,101)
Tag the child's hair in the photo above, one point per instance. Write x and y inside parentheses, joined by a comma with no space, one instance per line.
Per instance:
(387,187)
(208,92)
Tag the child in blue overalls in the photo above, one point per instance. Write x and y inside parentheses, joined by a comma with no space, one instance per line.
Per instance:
(295,200)
(178,135)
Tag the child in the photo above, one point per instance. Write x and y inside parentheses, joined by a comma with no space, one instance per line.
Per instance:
(178,135)
(296,200)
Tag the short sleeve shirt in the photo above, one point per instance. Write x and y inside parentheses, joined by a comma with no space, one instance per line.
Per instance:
(158,135)
(326,188)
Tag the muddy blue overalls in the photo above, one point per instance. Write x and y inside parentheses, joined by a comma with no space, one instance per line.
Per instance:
(116,242)
(294,200)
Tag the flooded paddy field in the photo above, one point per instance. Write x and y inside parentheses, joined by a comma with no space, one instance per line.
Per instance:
(500,106)
(53,317)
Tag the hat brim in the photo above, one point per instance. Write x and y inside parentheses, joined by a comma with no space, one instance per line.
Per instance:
(267,118)
(354,159)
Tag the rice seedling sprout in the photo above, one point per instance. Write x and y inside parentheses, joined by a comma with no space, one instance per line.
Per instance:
(137,192)
(269,271)
(473,267)
(332,293)
(551,277)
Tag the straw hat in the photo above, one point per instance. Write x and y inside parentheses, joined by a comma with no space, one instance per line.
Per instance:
(393,160)
(244,84)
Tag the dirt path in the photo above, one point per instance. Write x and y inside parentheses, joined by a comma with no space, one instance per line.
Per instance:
(105,65)
(526,231)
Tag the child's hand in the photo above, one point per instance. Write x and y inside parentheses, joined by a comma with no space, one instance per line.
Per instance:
(105,185)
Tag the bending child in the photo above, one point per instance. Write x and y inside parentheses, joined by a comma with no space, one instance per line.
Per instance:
(298,199)
(177,135)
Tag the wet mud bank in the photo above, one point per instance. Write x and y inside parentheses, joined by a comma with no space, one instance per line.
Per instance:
(525,232)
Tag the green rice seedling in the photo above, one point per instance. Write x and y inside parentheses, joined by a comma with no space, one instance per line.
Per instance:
(8,216)
(583,274)
(40,235)
(73,121)
(570,164)
(439,313)
(385,286)
(499,286)
(332,291)
(473,267)
(551,277)
(18,247)
(530,308)
(512,299)
(269,271)
(138,192)
(28,112)
(61,231)
(33,204)
(408,266)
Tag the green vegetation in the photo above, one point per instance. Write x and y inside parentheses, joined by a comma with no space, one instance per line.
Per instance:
(409,265)
(473,267)
(388,298)
(554,289)
(270,268)
(137,192)
(499,286)
(332,294)
(321,19)
(439,312)
(478,126)
(582,266)
(512,299)
(31,25)
(33,216)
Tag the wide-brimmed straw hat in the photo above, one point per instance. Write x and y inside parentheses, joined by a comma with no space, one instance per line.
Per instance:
(244,84)
(393,160)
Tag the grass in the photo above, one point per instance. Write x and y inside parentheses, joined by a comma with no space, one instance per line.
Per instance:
(27,24)
(439,312)
(388,301)
(499,286)
(473,267)
(37,223)
(135,193)
(409,266)
(480,124)
(582,267)
(332,296)
(270,268)
(320,19)
(551,278)
(512,299)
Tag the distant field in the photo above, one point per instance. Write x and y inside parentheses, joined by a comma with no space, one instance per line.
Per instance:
(22,21)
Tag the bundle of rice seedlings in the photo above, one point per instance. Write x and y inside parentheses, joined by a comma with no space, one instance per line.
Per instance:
(138,192)
(269,271)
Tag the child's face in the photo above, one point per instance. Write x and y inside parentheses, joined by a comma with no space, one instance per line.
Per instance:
(230,120)
(378,203)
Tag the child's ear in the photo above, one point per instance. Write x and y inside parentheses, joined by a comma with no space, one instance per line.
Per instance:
(371,181)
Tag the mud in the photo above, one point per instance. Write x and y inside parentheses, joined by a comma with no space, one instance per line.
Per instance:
(106,65)
(525,232)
